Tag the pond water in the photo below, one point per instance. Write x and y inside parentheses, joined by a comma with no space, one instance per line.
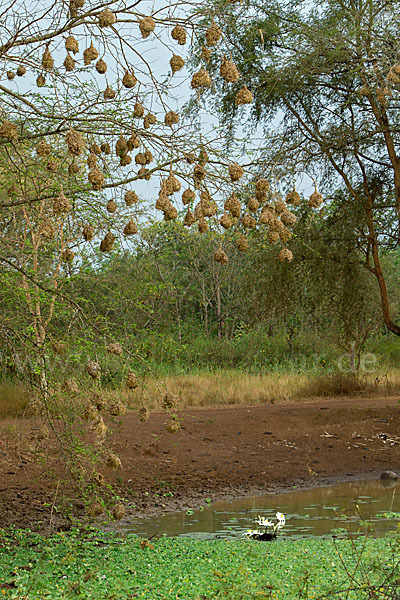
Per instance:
(359,507)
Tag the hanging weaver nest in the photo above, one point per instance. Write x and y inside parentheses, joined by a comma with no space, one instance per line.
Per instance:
(74,5)
(52,165)
(205,196)
(179,35)
(190,158)
(213,34)
(107,242)
(130,228)
(248,221)
(75,142)
(121,147)
(242,243)
(202,225)
(147,26)
(96,178)
(253,205)
(235,172)
(140,158)
(131,380)
(273,236)
(90,54)
(315,200)
(144,173)
(138,110)
(285,255)
(95,149)
(90,413)
(91,160)
(143,414)
(95,509)
(198,211)
(288,218)
(293,197)
(109,93)
(47,229)
(280,206)
(129,80)
(40,80)
(105,148)
(203,156)
(101,430)
(201,79)
(73,168)
(220,256)
(125,160)
(131,198)
(101,66)
(177,63)
(234,206)
(268,216)
(229,71)
(244,96)
(117,409)
(209,208)
(21,71)
(133,142)
(88,233)
(189,219)
(148,120)
(162,202)
(118,511)
(67,256)
(171,185)
(71,44)
(106,18)
(188,196)
(171,118)
(285,235)
(170,213)
(148,157)
(111,206)
(114,461)
(206,53)
(169,401)
(226,221)
(9,131)
(262,185)
(43,148)
(69,63)
(70,386)
(93,368)
(61,204)
(47,60)
(173,424)
(114,348)
(199,173)
(10,75)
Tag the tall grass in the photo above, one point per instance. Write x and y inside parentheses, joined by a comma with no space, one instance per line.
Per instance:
(223,388)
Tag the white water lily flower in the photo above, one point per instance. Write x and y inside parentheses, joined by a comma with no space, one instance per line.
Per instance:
(264,522)
(281,518)
(253,532)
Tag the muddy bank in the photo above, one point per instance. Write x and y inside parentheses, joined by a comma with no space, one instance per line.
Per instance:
(219,453)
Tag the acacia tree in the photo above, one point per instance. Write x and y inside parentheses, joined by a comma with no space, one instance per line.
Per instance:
(326,84)
(78,95)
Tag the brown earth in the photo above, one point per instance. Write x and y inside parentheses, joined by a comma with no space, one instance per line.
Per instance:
(219,453)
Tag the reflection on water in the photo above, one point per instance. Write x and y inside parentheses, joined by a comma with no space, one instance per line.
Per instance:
(356,506)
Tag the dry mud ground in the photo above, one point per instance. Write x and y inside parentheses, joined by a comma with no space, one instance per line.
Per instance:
(219,453)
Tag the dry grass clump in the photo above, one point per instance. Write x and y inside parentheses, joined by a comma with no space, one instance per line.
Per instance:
(231,387)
